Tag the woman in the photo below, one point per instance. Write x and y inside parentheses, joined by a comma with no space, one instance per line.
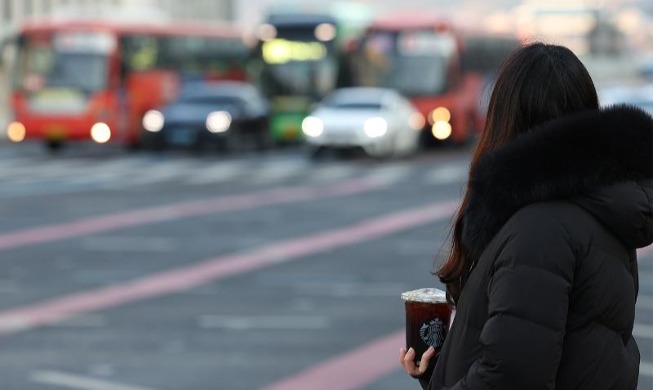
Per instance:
(542,269)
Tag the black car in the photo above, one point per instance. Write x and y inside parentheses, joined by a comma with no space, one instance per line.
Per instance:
(230,115)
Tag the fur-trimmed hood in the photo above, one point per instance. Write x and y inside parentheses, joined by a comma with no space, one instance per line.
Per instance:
(593,158)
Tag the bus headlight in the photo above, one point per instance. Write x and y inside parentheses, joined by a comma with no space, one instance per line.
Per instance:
(375,127)
(312,126)
(16,132)
(440,114)
(441,130)
(153,121)
(218,121)
(101,133)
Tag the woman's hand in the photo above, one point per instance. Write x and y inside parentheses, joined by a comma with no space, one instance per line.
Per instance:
(407,360)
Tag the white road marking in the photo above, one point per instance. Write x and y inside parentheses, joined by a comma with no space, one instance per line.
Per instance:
(447,175)
(645,368)
(646,278)
(15,324)
(28,179)
(70,381)
(643,331)
(158,171)
(17,167)
(269,173)
(645,302)
(330,173)
(390,174)
(37,170)
(110,170)
(263,322)
(217,172)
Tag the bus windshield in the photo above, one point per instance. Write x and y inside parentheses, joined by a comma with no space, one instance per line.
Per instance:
(297,63)
(304,78)
(60,62)
(415,63)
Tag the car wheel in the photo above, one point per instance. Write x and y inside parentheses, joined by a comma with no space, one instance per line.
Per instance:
(264,138)
(153,142)
(316,153)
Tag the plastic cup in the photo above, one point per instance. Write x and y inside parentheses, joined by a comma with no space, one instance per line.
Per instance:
(427,319)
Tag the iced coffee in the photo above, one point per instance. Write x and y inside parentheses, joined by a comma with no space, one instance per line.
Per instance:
(427,319)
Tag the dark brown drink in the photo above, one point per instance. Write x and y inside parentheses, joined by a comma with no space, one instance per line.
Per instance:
(427,319)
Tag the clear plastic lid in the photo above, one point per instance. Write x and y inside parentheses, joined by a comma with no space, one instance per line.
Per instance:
(426,295)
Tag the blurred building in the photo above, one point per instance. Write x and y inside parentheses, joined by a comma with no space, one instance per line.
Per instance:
(12,12)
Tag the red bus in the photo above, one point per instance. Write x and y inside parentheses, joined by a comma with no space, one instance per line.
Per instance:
(420,57)
(84,80)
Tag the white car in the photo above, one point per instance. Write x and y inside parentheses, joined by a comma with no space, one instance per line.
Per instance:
(379,120)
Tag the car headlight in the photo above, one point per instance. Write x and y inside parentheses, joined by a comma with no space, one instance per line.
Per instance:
(375,127)
(417,121)
(218,121)
(312,126)
(153,121)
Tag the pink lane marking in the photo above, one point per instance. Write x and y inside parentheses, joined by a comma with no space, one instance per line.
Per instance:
(350,371)
(183,278)
(360,367)
(176,211)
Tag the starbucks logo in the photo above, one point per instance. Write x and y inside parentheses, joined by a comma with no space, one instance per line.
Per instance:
(433,332)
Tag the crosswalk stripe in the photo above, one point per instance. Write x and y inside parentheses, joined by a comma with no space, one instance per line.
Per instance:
(390,174)
(35,169)
(643,331)
(107,171)
(217,172)
(159,171)
(646,368)
(269,173)
(645,302)
(446,174)
(40,175)
(331,172)
(61,379)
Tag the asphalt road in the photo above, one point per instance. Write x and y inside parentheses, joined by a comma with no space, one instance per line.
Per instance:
(254,271)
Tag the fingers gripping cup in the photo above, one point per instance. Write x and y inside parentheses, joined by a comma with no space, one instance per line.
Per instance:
(427,319)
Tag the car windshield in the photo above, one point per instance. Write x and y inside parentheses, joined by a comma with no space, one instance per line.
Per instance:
(353,105)
(211,99)
(356,99)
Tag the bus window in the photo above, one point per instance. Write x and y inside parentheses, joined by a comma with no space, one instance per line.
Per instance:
(213,57)
(140,53)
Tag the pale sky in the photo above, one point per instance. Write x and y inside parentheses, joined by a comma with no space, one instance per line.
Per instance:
(250,11)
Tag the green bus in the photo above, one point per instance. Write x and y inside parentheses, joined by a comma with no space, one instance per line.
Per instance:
(296,62)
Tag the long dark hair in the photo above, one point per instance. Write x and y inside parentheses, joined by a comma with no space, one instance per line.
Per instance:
(536,84)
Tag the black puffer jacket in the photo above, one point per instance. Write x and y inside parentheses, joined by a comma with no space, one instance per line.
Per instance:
(554,219)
